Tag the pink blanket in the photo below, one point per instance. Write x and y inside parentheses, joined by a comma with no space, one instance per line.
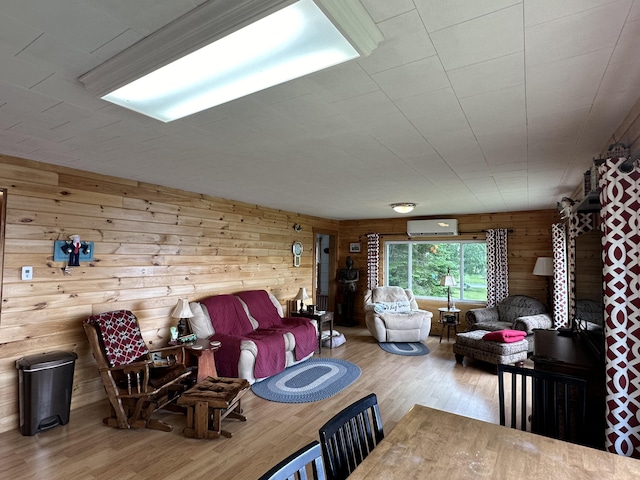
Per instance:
(505,336)
(232,325)
(267,316)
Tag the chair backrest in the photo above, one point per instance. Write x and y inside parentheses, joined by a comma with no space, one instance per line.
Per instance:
(541,402)
(350,436)
(515,306)
(297,465)
(120,336)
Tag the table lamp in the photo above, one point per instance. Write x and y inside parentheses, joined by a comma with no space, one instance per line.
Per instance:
(448,281)
(544,268)
(182,311)
(302,296)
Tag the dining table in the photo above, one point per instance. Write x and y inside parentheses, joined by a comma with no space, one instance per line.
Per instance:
(432,444)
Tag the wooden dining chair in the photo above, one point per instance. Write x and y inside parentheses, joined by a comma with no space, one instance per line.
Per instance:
(350,436)
(297,465)
(546,403)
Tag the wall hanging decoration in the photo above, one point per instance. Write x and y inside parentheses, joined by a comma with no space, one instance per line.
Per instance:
(72,251)
(297,250)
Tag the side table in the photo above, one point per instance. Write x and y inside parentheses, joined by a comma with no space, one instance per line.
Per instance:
(322,318)
(449,317)
(202,350)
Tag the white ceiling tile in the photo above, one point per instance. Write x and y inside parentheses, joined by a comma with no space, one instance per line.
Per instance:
(565,85)
(578,34)
(541,11)
(439,14)
(54,54)
(421,76)
(405,40)
(381,10)
(434,112)
(490,36)
(92,26)
(488,76)
(628,43)
(507,110)
(341,82)
(16,35)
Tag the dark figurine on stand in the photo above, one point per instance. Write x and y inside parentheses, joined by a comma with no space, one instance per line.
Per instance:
(349,278)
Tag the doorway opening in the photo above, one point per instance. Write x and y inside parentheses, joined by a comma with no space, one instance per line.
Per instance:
(324,270)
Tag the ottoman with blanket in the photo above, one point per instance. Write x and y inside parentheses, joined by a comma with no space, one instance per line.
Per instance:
(471,344)
(256,341)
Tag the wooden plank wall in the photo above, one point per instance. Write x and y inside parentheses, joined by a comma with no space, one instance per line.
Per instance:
(153,245)
(530,239)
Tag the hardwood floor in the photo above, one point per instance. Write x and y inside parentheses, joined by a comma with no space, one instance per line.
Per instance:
(86,449)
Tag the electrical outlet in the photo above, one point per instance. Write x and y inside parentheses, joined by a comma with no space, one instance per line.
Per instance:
(27,273)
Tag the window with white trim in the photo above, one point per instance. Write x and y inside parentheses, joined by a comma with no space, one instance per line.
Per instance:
(419,266)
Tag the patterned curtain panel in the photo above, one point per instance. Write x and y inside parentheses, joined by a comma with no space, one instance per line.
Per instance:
(579,223)
(560,280)
(373,259)
(497,266)
(620,213)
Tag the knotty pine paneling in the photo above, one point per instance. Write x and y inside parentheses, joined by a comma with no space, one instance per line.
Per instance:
(152,245)
(530,239)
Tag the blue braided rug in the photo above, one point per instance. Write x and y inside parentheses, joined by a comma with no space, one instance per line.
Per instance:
(405,348)
(312,380)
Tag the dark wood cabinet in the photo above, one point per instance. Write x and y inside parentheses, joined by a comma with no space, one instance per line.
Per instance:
(569,353)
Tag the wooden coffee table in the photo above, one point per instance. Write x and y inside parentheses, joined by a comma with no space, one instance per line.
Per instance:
(210,401)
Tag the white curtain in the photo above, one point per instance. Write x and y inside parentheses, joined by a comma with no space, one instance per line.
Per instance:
(497,266)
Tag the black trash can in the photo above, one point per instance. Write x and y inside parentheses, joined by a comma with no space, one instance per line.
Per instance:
(45,385)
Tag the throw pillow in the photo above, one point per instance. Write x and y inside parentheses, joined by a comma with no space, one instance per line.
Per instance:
(401,306)
(200,323)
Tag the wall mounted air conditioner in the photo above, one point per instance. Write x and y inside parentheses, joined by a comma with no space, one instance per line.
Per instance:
(432,228)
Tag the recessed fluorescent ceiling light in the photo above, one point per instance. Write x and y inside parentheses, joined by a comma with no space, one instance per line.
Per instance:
(292,42)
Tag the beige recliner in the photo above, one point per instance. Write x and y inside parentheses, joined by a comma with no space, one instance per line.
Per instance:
(392,315)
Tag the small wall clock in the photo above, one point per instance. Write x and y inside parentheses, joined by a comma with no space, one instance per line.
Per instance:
(297,251)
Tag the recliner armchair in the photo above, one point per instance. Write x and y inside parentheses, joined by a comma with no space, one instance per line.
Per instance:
(392,315)
(516,312)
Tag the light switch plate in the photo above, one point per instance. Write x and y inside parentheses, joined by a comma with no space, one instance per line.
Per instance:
(27,273)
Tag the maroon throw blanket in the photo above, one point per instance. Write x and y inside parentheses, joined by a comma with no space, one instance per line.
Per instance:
(227,315)
(304,333)
(267,316)
(505,336)
(232,325)
(261,308)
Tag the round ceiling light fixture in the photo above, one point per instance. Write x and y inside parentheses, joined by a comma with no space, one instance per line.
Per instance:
(403,207)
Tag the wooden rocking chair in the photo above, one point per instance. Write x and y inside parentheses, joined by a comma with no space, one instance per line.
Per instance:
(138,381)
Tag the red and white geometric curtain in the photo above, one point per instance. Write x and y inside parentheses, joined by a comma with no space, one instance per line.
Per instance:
(620,213)
(497,266)
(373,259)
(560,280)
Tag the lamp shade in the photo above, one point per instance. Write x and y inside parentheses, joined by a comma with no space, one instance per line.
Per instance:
(448,280)
(543,267)
(302,294)
(182,309)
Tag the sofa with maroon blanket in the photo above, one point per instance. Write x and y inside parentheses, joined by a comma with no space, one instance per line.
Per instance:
(256,341)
